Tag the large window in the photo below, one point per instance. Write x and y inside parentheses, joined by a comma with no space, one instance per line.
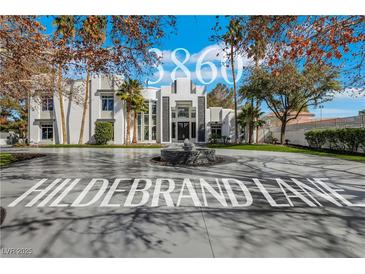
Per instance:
(216,130)
(47,132)
(173,130)
(183,112)
(107,103)
(154,120)
(193,129)
(139,126)
(146,124)
(47,103)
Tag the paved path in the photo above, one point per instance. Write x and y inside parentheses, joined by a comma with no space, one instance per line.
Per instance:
(186,231)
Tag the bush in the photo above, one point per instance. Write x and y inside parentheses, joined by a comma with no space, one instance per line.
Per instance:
(315,138)
(346,139)
(214,138)
(103,132)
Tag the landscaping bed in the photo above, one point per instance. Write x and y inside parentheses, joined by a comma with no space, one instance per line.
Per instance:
(8,158)
(352,156)
(100,146)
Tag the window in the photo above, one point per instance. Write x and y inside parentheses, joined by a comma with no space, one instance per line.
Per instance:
(193,114)
(154,120)
(183,112)
(174,87)
(107,103)
(173,129)
(146,133)
(47,103)
(143,122)
(47,132)
(139,119)
(193,130)
(146,124)
(154,107)
(173,114)
(216,130)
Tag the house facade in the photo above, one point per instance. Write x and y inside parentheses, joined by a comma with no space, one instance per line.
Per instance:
(175,112)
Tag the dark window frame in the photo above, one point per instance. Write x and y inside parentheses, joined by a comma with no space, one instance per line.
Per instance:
(47,103)
(109,103)
(47,132)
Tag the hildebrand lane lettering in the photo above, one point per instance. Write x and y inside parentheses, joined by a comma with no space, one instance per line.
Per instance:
(223,192)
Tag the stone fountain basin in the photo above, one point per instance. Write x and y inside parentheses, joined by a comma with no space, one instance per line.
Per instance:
(197,156)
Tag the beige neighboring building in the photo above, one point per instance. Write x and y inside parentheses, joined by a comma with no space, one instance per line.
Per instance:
(303,117)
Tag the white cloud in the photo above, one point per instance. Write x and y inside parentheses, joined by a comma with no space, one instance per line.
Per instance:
(350,93)
(335,112)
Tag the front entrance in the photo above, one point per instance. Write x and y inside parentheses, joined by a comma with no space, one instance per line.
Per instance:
(182,131)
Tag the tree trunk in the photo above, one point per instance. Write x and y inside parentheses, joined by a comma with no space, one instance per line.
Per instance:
(250,132)
(257,127)
(81,137)
(257,104)
(128,124)
(60,96)
(235,96)
(282,131)
(134,141)
(250,138)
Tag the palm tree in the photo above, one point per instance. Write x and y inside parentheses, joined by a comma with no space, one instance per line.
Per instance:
(249,92)
(250,116)
(138,105)
(232,38)
(130,92)
(65,31)
(257,51)
(93,36)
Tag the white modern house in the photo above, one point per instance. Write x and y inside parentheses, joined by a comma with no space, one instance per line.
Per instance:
(176,112)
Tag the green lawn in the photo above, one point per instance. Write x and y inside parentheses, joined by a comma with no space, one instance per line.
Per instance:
(6,158)
(281,148)
(103,146)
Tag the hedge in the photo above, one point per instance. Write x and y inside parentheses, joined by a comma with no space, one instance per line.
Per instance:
(345,139)
(103,132)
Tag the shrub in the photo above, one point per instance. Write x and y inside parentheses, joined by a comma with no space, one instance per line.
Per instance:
(269,138)
(214,138)
(226,139)
(331,136)
(315,138)
(103,132)
(349,139)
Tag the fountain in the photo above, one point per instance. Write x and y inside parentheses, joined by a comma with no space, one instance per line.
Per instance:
(188,154)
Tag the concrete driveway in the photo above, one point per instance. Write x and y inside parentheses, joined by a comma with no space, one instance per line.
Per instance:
(260,230)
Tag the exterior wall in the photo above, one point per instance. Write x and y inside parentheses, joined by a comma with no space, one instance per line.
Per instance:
(73,107)
(295,132)
(228,124)
(181,92)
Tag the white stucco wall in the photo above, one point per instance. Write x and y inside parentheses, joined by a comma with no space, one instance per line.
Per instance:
(99,86)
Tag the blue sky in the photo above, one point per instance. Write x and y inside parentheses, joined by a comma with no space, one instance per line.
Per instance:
(192,34)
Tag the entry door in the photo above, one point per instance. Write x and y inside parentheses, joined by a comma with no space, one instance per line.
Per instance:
(182,130)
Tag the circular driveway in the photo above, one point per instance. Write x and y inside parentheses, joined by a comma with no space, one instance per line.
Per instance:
(188,230)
